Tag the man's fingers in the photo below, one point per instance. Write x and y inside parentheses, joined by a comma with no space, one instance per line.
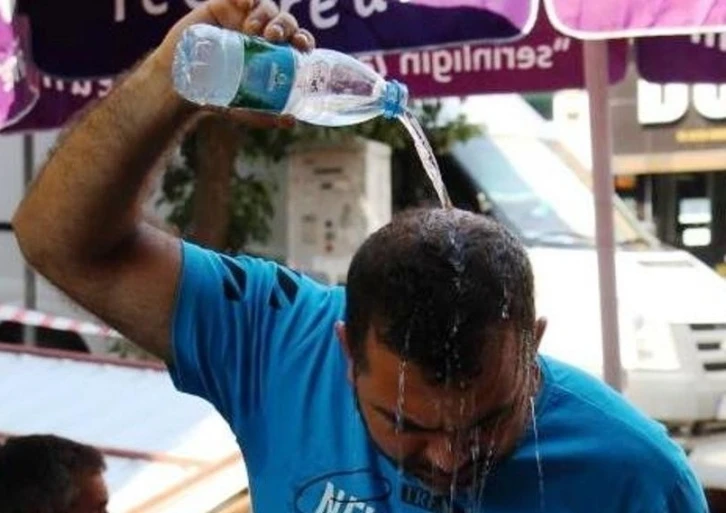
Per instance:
(250,16)
(281,28)
(259,18)
(303,40)
(230,14)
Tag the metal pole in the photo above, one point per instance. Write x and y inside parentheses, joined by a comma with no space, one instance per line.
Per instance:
(30,300)
(597,82)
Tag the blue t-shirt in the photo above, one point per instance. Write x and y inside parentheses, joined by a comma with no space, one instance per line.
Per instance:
(257,341)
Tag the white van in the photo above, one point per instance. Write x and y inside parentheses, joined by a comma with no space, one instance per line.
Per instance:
(672,307)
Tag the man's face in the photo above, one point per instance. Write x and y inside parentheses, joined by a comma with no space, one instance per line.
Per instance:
(441,435)
(92,496)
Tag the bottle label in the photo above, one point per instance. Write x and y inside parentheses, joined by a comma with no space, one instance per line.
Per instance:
(268,76)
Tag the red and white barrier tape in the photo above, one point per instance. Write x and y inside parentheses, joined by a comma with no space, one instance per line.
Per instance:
(42,320)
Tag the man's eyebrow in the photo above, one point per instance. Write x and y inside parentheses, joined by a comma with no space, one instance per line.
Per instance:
(494,415)
(405,422)
(488,418)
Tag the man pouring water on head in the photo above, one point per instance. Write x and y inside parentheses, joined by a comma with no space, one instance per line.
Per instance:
(417,387)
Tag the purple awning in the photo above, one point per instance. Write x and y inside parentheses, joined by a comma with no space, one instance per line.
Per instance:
(122,31)
(697,58)
(453,56)
(520,13)
(544,60)
(19,81)
(593,19)
(59,101)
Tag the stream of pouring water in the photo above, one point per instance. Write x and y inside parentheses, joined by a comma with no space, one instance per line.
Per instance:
(426,154)
(430,165)
(428,161)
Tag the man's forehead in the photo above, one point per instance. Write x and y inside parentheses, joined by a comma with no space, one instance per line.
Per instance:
(500,353)
(391,382)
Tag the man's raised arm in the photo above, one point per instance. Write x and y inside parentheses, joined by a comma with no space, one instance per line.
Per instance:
(81,225)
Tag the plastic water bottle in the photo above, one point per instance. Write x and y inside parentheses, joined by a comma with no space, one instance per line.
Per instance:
(224,68)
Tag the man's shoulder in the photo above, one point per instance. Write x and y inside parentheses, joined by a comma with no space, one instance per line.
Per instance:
(611,429)
(605,452)
(245,274)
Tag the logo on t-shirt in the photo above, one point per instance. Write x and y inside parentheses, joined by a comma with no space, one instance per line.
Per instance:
(426,500)
(365,491)
(353,491)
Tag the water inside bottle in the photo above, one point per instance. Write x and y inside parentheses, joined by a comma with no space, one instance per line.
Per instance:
(427,156)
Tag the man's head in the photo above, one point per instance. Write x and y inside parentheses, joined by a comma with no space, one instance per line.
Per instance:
(444,298)
(49,474)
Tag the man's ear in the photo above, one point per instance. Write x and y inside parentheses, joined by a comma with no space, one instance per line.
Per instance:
(342,332)
(540,326)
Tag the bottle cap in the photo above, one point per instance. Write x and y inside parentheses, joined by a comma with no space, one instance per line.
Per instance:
(395,99)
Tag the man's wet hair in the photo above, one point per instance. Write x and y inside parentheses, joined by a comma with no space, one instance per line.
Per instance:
(438,285)
(40,473)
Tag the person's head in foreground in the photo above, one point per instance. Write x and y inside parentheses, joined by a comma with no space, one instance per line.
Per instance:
(50,474)
(441,328)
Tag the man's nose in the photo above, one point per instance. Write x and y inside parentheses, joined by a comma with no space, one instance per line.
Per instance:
(447,453)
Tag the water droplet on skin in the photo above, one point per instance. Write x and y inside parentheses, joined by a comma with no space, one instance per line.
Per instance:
(401,395)
(505,304)
(452,488)
(488,464)
(540,472)
(400,402)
